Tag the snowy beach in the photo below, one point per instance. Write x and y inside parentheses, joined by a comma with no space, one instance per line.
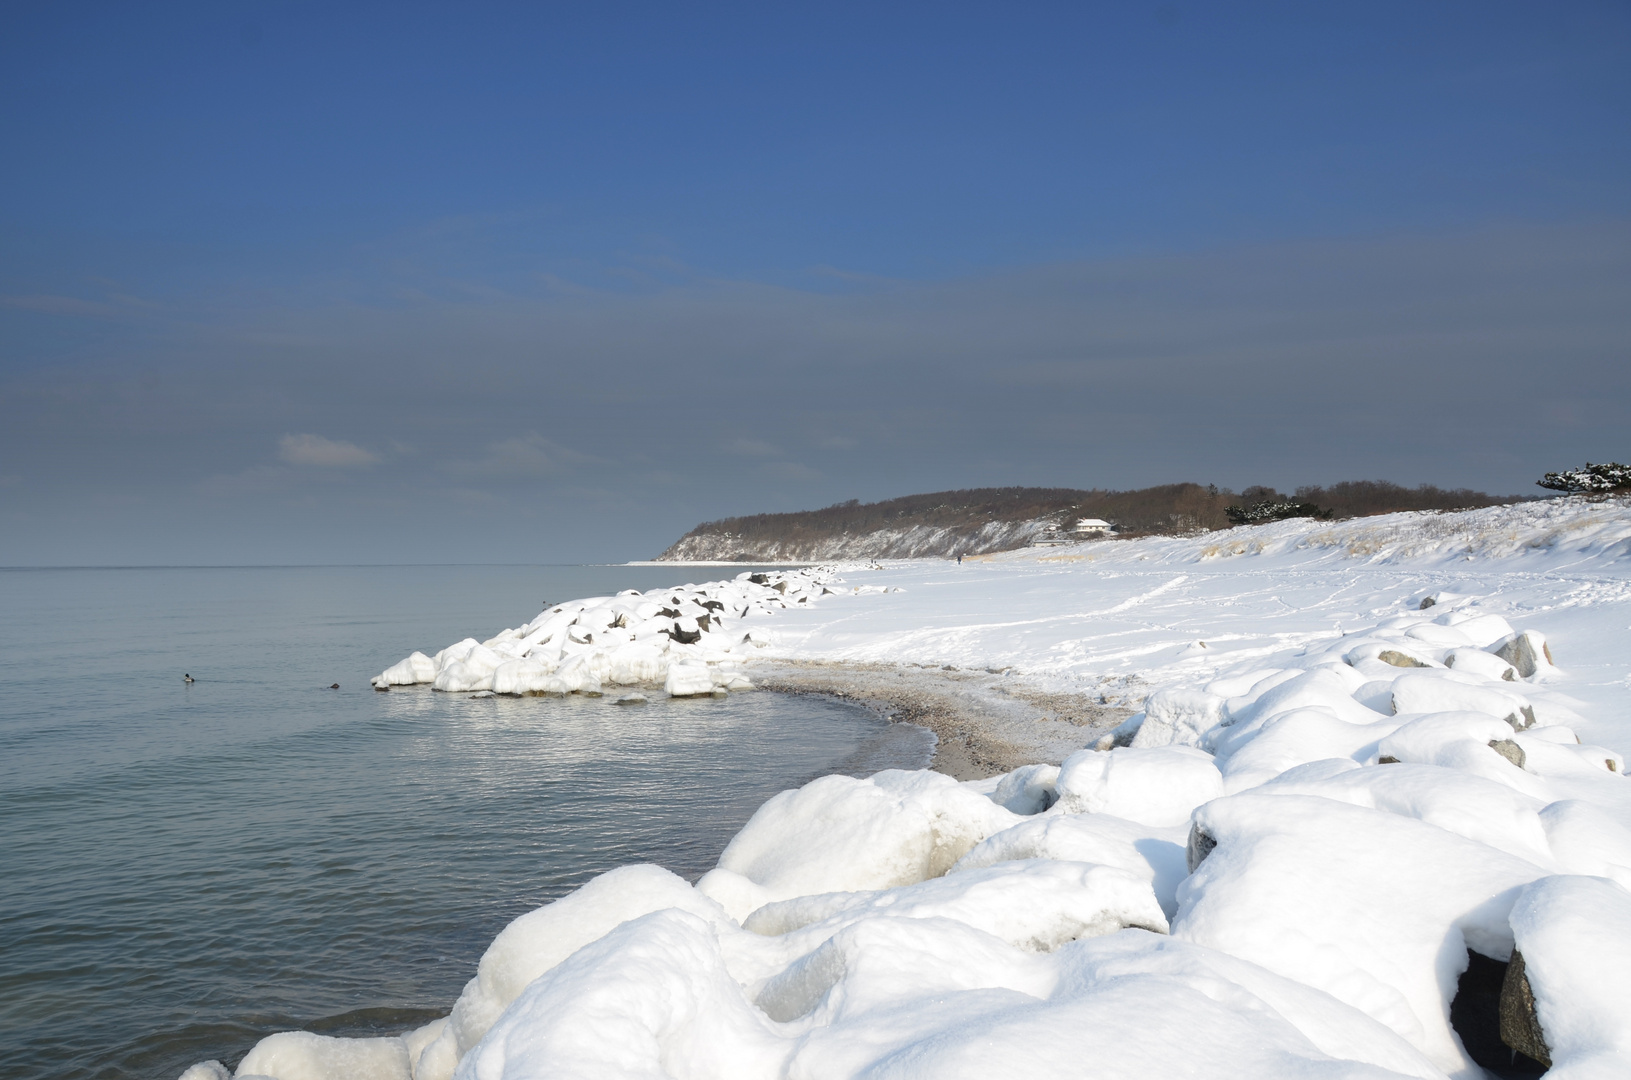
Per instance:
(1289,800)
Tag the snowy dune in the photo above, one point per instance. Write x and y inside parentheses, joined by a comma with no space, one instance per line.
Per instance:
(1336,796)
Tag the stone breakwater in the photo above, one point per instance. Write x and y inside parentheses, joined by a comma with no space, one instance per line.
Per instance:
(690,639)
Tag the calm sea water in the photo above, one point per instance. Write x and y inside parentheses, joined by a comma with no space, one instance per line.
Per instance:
(185,868)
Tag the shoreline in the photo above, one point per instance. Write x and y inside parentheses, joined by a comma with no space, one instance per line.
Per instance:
(982,728)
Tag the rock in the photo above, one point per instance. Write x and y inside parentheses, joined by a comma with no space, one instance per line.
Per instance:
(689,680)
(1177,717)
(759,579)
(631,699)
(1523,719)
(1199,847)
(1509,750)
(1387,759)
(1520,1025)
(1399,659)
(1427,602)
(1479,662)
(1526,651)
(684,637)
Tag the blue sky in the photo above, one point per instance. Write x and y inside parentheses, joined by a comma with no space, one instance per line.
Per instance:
(291,282)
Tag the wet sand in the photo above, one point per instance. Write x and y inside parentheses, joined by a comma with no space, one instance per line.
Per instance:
(986,722)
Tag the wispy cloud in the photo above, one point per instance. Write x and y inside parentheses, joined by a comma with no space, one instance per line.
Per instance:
(529,455)
(325,453)
(752,448)
(789,470)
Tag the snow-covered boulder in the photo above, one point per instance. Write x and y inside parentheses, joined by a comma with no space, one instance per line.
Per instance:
(840,834)
(1574,936)
(1154,786)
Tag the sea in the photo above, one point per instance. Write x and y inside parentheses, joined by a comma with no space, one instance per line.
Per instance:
(187,867)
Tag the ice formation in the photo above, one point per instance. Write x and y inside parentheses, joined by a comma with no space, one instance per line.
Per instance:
(690,639)
(1279,868)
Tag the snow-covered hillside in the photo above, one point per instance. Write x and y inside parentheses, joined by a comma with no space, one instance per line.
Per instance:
(1371,820)
(913,542)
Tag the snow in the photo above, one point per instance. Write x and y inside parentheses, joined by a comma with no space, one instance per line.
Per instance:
(1333,791)
(1575,936)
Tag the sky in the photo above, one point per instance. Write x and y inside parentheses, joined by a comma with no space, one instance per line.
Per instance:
(404,283)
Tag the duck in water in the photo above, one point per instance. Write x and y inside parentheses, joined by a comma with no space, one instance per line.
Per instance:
(188,678)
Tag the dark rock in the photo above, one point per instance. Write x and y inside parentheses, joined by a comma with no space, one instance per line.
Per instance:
(1520,1025)
(1475,1014)
(1387,759)
(1427,602)
(1509,750)
(759,579)
(1199,847)
(705,622)
(684,637)
(713,605)
(1519,650)
(669,613)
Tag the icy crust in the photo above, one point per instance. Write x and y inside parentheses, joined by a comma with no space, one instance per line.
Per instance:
(689,639)
(1278,874)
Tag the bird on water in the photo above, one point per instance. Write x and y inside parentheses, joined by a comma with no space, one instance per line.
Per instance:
(188,678)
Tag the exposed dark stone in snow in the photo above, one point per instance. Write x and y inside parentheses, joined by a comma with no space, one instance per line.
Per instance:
(1520,1025)
(684,637)
(1475,1014)
(1199,847)
(1509,750)
(1427,602)
(1387,760)
(1520,651)
(1523,718)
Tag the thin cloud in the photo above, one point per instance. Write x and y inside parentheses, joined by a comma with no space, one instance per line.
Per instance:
(324,453)
(790,470)
(529,455)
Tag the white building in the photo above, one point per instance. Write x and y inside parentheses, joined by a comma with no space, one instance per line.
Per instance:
(1092,527)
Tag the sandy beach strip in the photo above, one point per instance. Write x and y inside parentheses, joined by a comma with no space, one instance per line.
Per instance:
(986,722)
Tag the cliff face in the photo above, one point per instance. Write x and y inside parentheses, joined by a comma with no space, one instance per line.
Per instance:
(709,544)
(980,520)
